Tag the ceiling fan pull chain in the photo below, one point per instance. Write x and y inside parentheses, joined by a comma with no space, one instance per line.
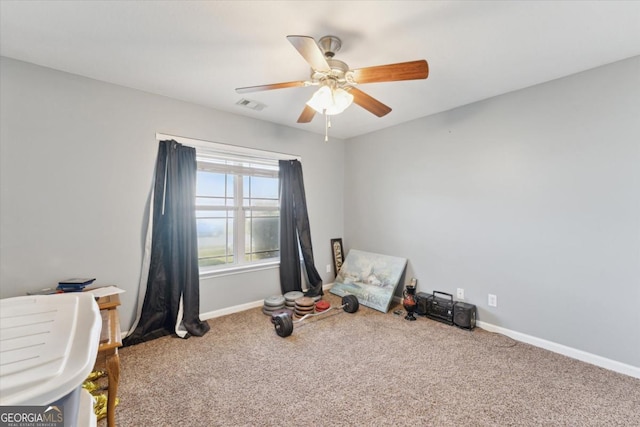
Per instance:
(326,126)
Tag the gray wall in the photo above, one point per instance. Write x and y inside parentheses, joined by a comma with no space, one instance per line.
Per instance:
(77,159)
(533,196)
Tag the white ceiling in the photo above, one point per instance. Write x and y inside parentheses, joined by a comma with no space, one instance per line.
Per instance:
(200,51)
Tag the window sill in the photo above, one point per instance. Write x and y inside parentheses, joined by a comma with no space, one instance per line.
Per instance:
(238,269)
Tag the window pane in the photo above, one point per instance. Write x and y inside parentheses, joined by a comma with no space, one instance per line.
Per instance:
(211,184)
(262,235)
(215,238)
(266,188)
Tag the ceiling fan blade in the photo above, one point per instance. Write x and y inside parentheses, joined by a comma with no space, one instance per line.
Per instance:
(270,87)
(310,51)
(307,115)
(369,103)
(412,70)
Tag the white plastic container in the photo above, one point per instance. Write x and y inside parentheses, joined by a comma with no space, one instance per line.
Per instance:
(48,348)
(86,415)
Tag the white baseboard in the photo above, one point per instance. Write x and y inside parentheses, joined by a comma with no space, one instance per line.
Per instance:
(230,310)
(603,362)
(593,359)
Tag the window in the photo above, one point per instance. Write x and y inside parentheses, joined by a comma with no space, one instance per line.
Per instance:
(237,206)
(237,210)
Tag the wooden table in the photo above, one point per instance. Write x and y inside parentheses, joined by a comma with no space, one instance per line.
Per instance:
(110,341)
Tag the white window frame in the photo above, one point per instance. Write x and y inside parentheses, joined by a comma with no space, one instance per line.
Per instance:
(216,150)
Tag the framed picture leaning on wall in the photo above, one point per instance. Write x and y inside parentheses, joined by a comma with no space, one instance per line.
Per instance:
(338,255)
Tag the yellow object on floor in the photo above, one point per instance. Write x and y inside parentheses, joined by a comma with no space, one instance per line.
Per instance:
(96,375)
(99,400)
(90,386)
(100,405)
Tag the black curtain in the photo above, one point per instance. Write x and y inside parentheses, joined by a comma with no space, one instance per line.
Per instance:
(294,229)
(173,272)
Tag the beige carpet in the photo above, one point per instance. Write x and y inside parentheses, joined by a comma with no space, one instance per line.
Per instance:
(367,369)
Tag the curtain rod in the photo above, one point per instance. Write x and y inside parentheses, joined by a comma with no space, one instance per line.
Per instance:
(201,143)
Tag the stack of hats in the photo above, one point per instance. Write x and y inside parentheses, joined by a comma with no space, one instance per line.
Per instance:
(304,306)
(273,304)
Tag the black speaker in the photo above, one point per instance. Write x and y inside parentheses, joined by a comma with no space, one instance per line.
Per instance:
(464,315)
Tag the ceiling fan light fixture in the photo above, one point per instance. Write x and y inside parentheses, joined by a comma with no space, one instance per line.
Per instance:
(330,101)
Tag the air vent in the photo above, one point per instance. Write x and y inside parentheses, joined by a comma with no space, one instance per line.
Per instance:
(253,105)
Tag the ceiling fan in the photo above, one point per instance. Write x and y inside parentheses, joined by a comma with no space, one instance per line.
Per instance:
(337,83)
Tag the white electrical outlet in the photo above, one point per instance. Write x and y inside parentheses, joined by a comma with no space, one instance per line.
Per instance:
(460,293)
(492,300)
(328,268)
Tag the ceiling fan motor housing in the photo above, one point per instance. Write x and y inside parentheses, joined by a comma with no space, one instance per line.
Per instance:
(330,45)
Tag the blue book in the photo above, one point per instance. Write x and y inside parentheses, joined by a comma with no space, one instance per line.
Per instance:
(75,282)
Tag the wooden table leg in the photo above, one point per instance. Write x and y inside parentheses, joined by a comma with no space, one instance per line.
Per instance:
(113,374)
(108,349)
